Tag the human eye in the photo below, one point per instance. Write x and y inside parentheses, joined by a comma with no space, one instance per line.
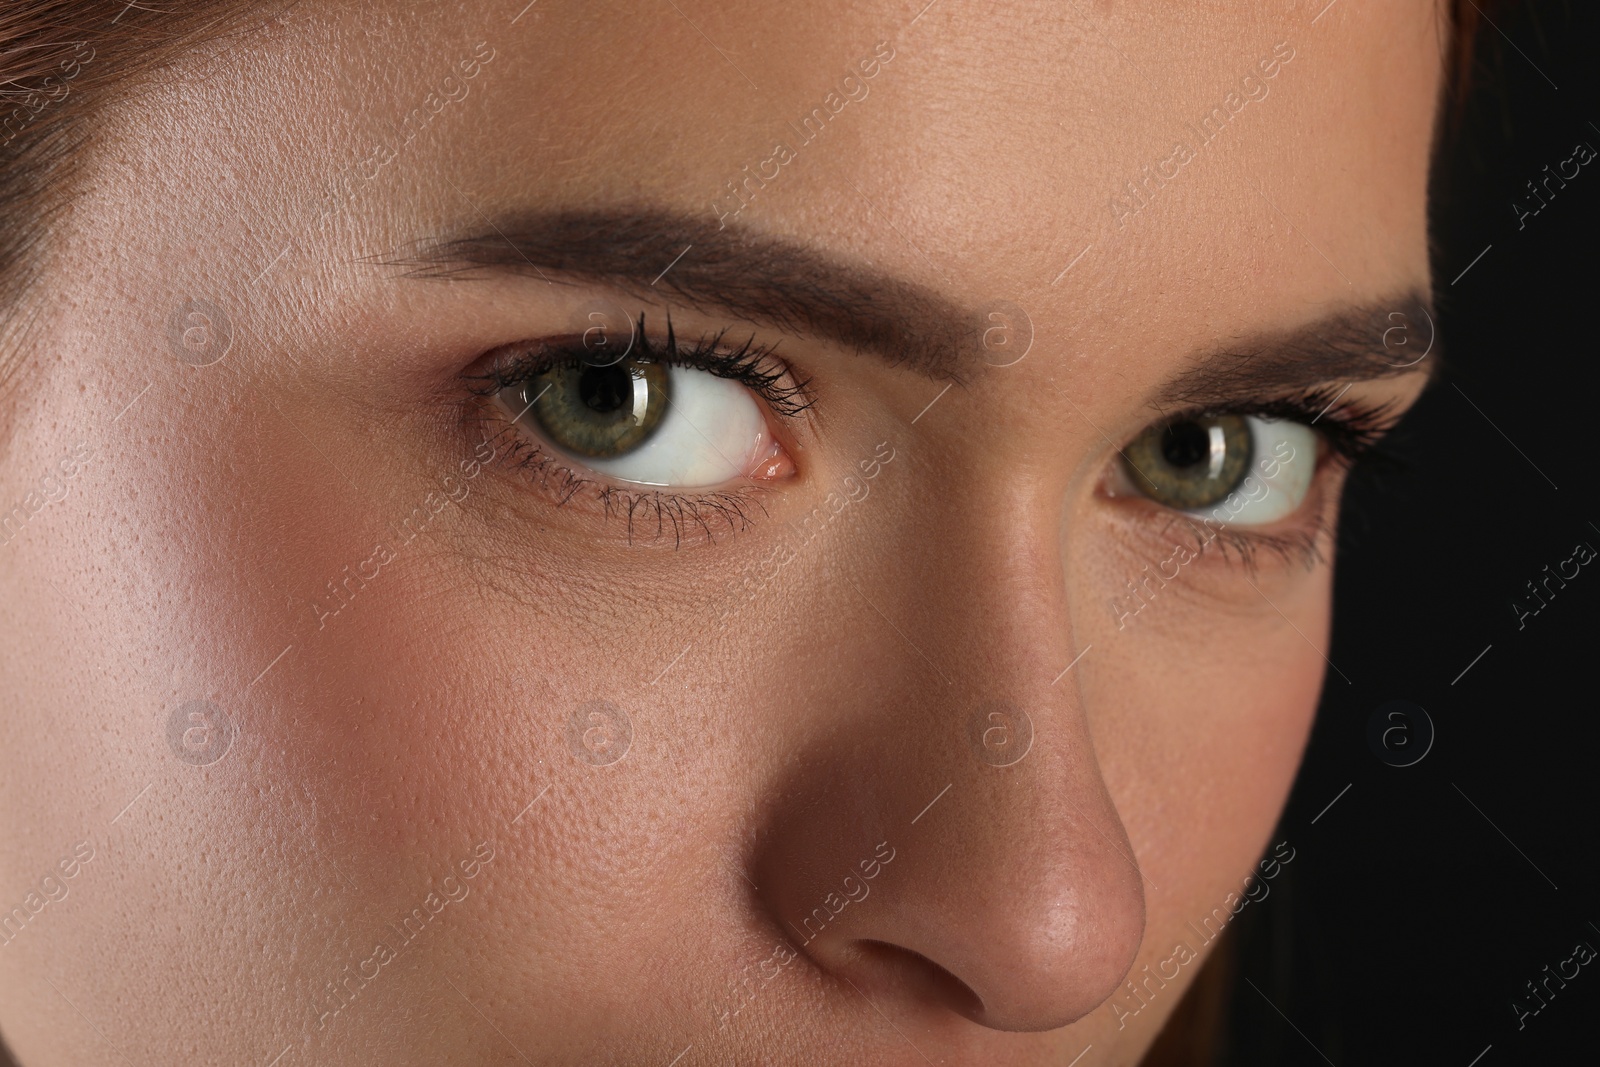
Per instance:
(1250,465)
(1200,461)
(664,424)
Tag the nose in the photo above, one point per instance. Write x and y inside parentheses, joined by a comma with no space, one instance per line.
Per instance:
(945,835)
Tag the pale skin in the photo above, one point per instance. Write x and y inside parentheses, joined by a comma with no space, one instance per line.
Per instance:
(773,752)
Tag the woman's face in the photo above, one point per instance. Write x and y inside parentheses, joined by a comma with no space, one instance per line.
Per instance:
(436,662)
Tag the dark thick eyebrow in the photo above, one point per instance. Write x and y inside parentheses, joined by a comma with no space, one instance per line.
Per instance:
(784,283)
(758,277)
(1393,337)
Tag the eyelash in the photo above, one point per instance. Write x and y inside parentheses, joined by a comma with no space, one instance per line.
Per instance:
(757,367)
(1352,433)
(1352,430)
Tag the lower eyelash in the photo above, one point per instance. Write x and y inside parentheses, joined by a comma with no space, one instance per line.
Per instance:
(1243,545)
(711,512)
(1303,547)
(650,513)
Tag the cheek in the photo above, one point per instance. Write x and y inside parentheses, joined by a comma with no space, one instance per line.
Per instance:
(1211,706)
(363,765)
(1199,722)
(1199,709)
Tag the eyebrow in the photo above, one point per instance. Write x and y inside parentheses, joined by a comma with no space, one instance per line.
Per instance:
(779,281)
(1387,339)
(758,277)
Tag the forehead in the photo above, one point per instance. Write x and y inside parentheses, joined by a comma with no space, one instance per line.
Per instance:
(1129,173)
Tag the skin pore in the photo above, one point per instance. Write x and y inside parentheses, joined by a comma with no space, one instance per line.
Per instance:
(404,745)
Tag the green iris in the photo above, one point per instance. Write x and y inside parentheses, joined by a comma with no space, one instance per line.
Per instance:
(599,412)
(1193,462)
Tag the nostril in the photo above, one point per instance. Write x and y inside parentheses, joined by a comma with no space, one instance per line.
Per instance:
(915,976)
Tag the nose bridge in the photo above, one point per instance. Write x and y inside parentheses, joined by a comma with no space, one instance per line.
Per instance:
(972,769)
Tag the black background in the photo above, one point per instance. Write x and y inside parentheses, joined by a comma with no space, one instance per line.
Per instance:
(1408,923)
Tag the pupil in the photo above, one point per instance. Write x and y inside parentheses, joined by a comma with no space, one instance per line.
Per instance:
(1185,444)
(606,389)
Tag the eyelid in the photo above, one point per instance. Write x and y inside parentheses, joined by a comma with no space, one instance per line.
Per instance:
(1351,429)
(756,366)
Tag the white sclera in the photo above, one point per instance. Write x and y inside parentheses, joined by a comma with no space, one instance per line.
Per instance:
(708,436)
(1281,467)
